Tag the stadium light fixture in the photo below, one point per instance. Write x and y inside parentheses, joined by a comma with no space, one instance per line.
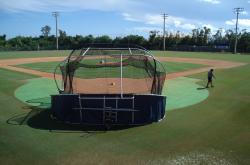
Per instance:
(164,15)
(237,11)
(56,14)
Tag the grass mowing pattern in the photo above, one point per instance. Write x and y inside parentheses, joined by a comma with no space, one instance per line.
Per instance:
(215,131)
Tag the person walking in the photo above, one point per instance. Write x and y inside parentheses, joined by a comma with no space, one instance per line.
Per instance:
(210,76)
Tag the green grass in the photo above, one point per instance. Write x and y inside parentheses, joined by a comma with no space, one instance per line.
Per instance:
(219,56)
(29,54)
(215,56)
(172,67)
(215,131)
(41,66)
(128,71)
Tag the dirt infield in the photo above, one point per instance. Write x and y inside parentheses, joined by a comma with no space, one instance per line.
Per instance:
(98,84)
(216,64)
(102,85)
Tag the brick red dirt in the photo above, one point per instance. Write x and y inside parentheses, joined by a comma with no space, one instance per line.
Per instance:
(100,84)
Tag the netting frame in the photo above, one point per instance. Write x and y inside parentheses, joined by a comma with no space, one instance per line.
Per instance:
(65,105)
(154,89)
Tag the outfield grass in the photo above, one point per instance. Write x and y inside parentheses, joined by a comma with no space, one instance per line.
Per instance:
(207,55)
(215,131)
(29,54)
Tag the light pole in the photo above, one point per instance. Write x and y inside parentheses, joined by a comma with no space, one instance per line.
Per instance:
(164,15)
(237,10)
(56,14)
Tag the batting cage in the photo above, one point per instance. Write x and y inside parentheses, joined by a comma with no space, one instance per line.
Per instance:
(100,85)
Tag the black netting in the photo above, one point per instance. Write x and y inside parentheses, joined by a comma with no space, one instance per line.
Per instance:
(112,71)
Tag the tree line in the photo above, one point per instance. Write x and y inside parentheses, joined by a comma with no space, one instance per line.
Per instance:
(200,39)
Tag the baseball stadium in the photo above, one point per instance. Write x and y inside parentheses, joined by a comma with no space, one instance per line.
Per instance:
(125,82)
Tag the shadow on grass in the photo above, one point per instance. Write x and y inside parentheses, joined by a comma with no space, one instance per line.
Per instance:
(43,102)
(201,88)
(19,119)
(41,119)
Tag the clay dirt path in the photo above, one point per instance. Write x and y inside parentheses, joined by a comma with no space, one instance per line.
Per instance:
(101,84)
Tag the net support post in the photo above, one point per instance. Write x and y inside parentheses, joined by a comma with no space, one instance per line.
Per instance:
(121,78)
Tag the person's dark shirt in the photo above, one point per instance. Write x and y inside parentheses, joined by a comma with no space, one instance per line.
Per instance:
(210,74)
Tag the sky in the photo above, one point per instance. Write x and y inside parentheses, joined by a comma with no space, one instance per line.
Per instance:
(119,17)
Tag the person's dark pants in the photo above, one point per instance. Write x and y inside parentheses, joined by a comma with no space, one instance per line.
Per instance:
(209,81)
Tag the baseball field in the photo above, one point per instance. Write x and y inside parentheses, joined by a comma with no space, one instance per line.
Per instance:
(202,125)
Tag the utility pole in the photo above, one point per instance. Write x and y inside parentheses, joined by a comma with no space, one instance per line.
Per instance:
(164,15)
(56,14)
(237,11)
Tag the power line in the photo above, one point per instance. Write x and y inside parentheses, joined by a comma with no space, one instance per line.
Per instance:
(237,11)
(164,15)
(56,14)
